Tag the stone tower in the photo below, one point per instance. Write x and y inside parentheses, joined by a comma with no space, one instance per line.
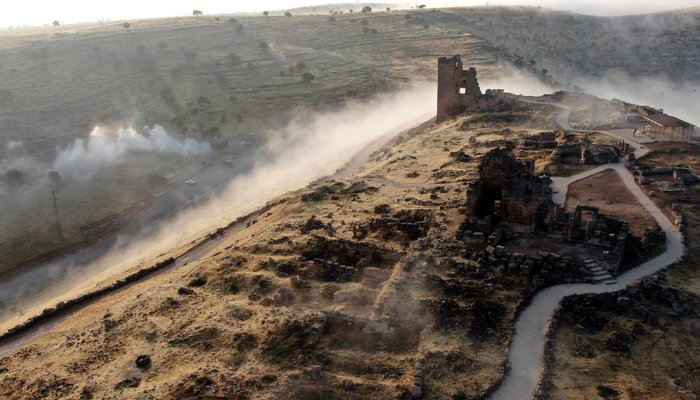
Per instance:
(458,90)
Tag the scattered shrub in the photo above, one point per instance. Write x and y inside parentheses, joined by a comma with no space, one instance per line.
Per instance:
(307,77)
(198,281)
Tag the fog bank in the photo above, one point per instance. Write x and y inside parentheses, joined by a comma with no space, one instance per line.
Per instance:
(109,146)
(678,100)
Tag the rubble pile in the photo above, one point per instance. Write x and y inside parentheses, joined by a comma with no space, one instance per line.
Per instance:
(641,300)
(680,178)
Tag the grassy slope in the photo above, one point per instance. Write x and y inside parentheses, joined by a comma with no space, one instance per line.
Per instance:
(569,44)
(79,87)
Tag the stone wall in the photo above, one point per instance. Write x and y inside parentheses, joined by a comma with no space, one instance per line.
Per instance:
(597,154)
(497,165)
(526,201)
(585,154)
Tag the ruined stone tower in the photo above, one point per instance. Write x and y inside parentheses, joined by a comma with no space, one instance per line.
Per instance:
(458,90)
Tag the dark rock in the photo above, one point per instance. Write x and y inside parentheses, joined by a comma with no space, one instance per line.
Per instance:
(185,291)
(143,361)
(109,323)
(128,383)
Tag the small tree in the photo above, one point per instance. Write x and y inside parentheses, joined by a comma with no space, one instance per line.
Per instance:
(265,13)
(300,66)
(352,93)
(364,22)
(331,19)
(365,30)
(374,31)
(14,177)
(288,14)
(126,25)
(197,13)
(307,77)
(353,21)
(162,46)
(55,177)
(203,101)
(6,96)
(426,26)
(220,78)
(233,99)
(167,94)
(56,23)
(156,182)
(366,9)
(421,6)
(217,19)
(388,8)
(189,55)
(232,58)
(263,45)
(407,17)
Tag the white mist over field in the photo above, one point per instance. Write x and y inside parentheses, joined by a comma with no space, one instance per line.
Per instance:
(310,147)
(104,147)
(517,84)
(681,100)
(13,145)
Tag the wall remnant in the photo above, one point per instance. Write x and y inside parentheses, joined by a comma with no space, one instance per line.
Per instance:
(459,91)
(509,198)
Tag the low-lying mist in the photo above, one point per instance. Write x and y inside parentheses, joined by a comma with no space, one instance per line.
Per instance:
(680,100)
(312,146)
(103,147)
(517,84)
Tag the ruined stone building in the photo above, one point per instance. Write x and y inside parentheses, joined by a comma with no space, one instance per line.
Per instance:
(496,166)
(526,201)
(509,197)
(585,154)
(459,91)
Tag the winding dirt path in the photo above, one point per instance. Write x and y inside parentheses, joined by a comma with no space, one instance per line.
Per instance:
(526,350)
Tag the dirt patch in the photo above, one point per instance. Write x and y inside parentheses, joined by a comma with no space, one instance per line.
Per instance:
(607,192)
(668,154)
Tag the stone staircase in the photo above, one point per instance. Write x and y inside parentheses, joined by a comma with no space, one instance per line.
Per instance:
(599,273)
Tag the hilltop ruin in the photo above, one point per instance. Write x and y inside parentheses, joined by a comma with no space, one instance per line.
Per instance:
(459,91)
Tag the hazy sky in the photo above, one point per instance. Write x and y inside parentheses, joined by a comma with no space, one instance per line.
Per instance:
(18,12)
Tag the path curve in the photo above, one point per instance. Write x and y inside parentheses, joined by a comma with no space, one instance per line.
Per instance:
(526,350)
